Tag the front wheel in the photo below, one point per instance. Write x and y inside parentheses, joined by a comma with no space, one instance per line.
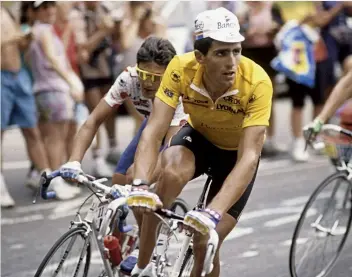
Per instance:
(322,228)
(187,265)
(69,256)
(179,206)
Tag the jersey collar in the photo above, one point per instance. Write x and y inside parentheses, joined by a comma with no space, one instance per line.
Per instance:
(197,85)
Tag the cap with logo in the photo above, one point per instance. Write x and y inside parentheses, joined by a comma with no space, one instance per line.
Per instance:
(219,24)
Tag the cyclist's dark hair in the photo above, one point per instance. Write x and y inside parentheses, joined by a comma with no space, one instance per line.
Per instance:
(157,50)
(203,45)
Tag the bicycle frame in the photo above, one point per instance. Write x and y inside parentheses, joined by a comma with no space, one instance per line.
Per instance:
(97,232)
(115,209)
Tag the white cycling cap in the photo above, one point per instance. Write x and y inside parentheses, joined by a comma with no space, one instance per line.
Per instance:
(219,24)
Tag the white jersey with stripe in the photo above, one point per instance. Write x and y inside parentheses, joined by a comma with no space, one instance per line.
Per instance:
(127,86)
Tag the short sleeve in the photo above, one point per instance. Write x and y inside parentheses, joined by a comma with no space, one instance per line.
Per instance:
(170,87)
(179,116)
(259,105)
(119,91)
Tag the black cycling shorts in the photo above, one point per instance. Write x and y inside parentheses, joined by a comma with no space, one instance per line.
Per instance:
(213,161)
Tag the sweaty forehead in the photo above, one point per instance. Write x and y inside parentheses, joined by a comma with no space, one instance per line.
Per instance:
(218,45)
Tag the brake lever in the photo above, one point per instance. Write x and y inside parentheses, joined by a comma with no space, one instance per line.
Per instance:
(92,178)
(36,195)
(308,140)
(306,146)
(43,180)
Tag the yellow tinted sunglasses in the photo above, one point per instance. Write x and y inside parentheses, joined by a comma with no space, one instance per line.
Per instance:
(144,75)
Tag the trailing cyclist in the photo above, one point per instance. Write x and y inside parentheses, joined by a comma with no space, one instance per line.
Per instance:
(136,87)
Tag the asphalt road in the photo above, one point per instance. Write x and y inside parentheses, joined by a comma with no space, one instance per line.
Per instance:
(259,246)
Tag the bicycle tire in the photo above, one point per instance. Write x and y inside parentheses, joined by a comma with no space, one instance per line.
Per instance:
(179,202)
(312,198)
(187,263)
(69,234)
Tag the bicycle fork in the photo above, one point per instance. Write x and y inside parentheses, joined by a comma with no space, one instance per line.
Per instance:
(187,242)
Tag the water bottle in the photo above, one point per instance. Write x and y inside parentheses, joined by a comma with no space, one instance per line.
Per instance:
(113,245)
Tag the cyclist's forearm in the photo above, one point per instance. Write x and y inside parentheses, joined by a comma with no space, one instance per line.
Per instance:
(83,140)
(235,184)
(146,156)
(341,92)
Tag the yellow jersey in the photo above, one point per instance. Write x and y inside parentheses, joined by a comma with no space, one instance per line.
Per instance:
(246,103)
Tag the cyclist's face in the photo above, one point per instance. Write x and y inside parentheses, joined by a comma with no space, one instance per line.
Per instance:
(221,63)
(149,75)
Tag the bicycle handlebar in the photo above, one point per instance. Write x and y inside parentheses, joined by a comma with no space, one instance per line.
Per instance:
(326,127)
(45,181)
(336,128)
(82,179)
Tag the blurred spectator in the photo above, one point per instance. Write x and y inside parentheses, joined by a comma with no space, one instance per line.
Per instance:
(17,100)
(300,11)
(65,31)
(337,35)
(26,23)
(230,5)
(56,87)
(135,29)
(259,29)
(93,27)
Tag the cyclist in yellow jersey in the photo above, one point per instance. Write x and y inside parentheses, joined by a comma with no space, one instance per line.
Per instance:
(228,99)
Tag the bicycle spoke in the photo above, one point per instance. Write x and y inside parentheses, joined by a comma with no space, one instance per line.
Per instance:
(81,257)
(66,253)
(68,261)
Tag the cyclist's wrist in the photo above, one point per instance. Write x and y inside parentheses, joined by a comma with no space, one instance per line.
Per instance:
(214,215)
(140,184)
(319,120)
(317,123)
(74,162)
